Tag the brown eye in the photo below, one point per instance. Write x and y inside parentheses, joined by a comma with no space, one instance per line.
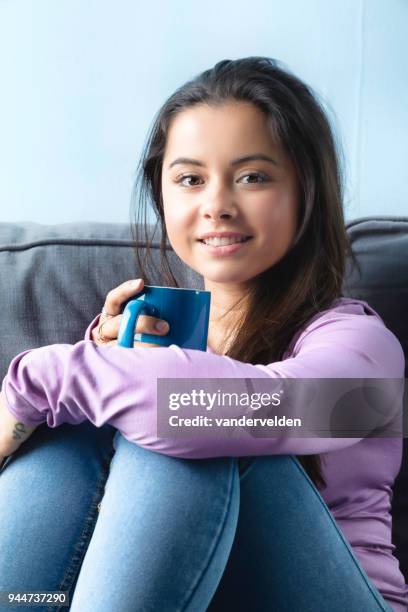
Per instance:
(256,175)
(186,176)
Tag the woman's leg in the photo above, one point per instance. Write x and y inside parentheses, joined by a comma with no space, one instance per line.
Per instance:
(49,492)
(163,536)
(166,529)
(288,554)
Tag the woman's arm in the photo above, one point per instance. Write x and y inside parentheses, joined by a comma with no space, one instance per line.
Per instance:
(71,383)
(12,431)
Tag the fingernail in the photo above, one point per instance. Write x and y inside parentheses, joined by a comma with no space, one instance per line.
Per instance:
(134,283)
(162,326)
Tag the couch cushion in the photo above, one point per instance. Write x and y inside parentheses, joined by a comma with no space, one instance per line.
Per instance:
(381,247)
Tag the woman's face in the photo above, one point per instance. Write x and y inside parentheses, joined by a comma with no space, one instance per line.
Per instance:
(212,192)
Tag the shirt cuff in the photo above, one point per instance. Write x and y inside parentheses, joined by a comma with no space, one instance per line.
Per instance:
(90,327)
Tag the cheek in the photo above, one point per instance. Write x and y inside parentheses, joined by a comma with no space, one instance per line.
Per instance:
(178,215)
(275,214)
(277,222)
(179,229)
(177,221)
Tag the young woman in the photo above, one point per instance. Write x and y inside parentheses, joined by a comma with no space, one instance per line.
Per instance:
(252,523)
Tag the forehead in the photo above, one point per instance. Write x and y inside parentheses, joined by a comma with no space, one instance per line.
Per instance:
(231,129)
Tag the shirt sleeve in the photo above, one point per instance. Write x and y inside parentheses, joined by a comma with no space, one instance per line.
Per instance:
(65,383)
(91,326)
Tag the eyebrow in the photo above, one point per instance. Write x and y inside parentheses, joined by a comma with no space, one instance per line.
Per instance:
(235,162)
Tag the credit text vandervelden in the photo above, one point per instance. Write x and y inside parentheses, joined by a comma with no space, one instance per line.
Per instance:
(210,401)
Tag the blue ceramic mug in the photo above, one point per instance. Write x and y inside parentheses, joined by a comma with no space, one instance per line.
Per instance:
(187,311)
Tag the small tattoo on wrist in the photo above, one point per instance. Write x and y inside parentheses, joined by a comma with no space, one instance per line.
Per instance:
(19,431)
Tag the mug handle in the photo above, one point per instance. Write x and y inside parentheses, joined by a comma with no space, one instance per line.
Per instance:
(128,323)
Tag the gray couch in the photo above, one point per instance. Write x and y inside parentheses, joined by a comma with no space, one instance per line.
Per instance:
(53,280)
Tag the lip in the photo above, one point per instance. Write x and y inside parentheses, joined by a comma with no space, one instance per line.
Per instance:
(228,249)
(223,235)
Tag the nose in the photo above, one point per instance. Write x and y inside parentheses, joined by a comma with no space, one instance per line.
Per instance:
(219,205)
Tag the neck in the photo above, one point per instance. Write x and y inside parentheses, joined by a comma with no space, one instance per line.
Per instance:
(227,306)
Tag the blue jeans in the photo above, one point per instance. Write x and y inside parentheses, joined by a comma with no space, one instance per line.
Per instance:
(170,534)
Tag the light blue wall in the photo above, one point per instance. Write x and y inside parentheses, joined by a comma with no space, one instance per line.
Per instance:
(82,80)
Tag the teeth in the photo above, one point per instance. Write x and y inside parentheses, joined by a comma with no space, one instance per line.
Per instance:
(213,241)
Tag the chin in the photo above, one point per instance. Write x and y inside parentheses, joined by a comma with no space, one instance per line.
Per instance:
(224,277)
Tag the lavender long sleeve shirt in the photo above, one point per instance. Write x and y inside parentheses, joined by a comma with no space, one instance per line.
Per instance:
(64,383)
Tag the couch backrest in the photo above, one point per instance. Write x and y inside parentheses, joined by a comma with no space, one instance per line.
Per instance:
(381,247)
(53,281)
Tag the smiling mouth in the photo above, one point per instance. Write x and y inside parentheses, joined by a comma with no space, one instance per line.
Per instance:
(225,250)
(220,242)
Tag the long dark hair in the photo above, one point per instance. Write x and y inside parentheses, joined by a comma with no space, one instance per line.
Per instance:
(309,277)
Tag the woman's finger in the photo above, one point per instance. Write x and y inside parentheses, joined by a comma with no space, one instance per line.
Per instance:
(151,325)
(111,311)
(115,298)
(109,328)
(106,330)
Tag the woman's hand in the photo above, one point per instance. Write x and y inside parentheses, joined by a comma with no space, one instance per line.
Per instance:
(12,432)
(106,333)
